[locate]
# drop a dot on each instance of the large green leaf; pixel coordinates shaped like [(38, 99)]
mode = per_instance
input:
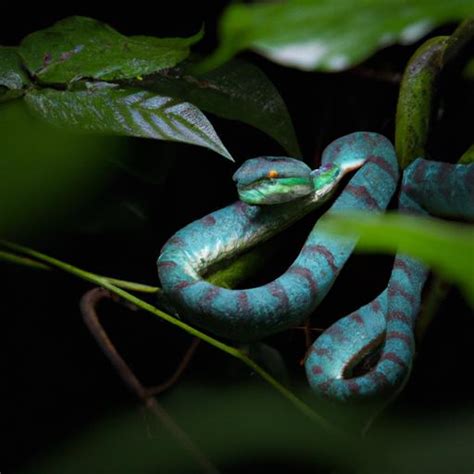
[(129, 112), (237, 90), (79, 47), (446, 247), (12, 76), (329, 35)]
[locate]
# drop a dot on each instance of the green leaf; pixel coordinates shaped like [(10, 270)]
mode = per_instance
[(46, 173), (446, 247), (13, 79), (80, 47), (130, 112), (237, 91), (468, 156), (329, 35)]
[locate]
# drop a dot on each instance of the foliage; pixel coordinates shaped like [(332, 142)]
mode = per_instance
[(448, 248), (41, 182), (81, 75), (12, 77), (327, 35), (131, 112), (88, 60), (237, 90), (82, 48)]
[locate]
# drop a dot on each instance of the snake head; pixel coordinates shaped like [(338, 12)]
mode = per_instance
[(272, 180), (326, 176)]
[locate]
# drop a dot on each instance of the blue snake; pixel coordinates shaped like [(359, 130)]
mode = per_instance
[(275, 192)]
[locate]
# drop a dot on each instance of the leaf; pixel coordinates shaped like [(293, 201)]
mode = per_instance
[(468, 156), (238, 91), (13, 78), (46, 173), (80, 47), (446, 247), (128, 112), (328, 35)]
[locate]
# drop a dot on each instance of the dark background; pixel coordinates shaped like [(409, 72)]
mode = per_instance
[(56, 380)]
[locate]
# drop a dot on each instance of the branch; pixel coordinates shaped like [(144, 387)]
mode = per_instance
[(232, 351)]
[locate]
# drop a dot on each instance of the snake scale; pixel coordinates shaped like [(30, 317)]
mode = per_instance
[(274, 193)]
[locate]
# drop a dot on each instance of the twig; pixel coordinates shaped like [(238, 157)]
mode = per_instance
[(178, 372), (29, 262), (377, 74), (88, 309)]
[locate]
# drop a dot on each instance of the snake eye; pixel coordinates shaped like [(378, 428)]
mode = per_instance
[(272, 174)]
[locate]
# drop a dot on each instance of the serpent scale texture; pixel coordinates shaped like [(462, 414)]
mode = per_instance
[(251, 314)]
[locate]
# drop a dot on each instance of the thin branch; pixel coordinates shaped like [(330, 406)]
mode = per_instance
[(303, 328), (28, 262), (377, 74), (24, 261), (179, 370), (88, 304), (88, 308)]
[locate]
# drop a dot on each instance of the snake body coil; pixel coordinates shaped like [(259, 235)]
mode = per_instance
[(251, 314), (427, 187)]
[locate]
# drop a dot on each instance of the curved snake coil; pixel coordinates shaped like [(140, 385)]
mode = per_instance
[(428, 187), (280, 191)]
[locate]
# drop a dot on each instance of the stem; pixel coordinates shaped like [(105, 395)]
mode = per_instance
[(89, 303), (417, 100), (234, 352), (28, 262), (25, 261), (131, 285), (179, 370)]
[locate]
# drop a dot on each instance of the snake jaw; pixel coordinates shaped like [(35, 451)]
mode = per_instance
[(270, 191)]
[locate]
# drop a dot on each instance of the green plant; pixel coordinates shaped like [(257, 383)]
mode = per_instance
[(83, 75)]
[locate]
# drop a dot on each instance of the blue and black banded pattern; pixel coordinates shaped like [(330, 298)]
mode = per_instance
[(250, 314)]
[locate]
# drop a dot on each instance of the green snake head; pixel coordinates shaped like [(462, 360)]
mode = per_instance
[(273, 180), (326, 178)]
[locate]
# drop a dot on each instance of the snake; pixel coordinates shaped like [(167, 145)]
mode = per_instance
[(275, 192)]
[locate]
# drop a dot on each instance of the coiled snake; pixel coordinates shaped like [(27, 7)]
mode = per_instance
[(275, 192)]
